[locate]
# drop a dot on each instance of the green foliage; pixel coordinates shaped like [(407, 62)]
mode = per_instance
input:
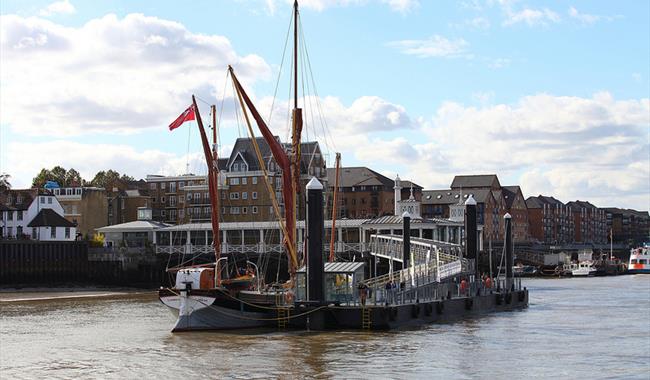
[(4, 182), (97, 240), (72, 178)]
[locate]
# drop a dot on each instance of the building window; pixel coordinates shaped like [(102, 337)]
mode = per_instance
[(34, 233), (181, 214), (79, 191), (162, 185), (234, 181), (244, 195), (234, 210), (20, 215), (254, 180), (19, 231), (244, 181), (278, 183), (172, 200), (234, 195), (254, 195), (235, 167), (49, 200), (67, 232), (152, 186), (162, 200), (189, 196), (254, 210), (172, 187), (122, 201), (42, 200), (57, 191), (223, 195), (53, 232), (163, 213), (181, 184), (244, 210), (206, 211), (197, 196), (223, 211), (206, 195)]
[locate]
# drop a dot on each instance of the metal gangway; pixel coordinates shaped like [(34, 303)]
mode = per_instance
[(432, 264)]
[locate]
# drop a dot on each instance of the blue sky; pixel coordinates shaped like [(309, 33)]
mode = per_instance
[(549, 95)]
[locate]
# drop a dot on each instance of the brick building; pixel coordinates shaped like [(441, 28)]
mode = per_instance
[(550, 220), (243, 192), (124, 199), (85, 207), (589, 222), (515, 204), (364, 193), (438, 204), (628, 226)]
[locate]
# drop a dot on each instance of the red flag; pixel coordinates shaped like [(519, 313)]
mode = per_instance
[(187, 115)]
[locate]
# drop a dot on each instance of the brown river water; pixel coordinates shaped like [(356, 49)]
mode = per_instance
[(595, 328)]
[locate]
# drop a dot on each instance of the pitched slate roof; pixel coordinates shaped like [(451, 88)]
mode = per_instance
[(474, 181), (48, 217), (11, 198), (538, 201), (581, 204), (510, 194), (449, 197), (358, 176)]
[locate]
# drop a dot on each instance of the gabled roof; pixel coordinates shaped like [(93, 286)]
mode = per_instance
[(540, 200), (11, 198), (580, 204), (244, 146), (449, 197), (510, 194), (474, 181), (358, 176), (533, 202), (49, 218), (222, 163)]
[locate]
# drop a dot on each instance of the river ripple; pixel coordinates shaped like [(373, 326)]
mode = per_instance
[(574, 328)]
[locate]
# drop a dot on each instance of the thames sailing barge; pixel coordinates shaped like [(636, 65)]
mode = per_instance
[(433, 284)]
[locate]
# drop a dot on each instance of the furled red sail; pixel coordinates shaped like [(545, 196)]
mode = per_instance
[(282, 160)]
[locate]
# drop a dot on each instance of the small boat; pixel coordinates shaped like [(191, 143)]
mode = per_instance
[(583, 269), (639, 260), (524, 270)]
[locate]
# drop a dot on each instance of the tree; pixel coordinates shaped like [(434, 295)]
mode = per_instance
[(4, 182), (106, 178), (41, 178), (73, 178), (58, 175)]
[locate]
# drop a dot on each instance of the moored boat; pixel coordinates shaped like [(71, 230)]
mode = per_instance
[(639, 260)]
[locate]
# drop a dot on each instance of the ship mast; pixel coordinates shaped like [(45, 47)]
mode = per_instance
[(335, 207), (296, 125), (216, 236)]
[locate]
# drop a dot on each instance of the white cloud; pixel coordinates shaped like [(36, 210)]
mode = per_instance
[(402, 6), (570, 147), (585, 18), (481, 23), (109, 75), (530, 16), (59, 7), (435, 46)]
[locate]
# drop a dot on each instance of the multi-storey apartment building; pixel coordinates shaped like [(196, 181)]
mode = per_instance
[(550, 220), (124, 200), (243, 189), (589, 222), (438, 204), (85, 207), (628, 226), (364, 193), (515, 203)]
